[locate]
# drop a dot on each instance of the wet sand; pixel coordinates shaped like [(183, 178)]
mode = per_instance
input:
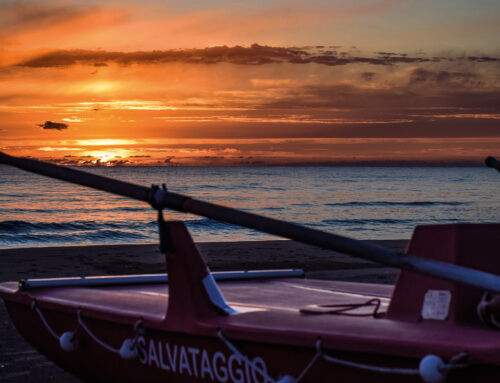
[(19, 362)]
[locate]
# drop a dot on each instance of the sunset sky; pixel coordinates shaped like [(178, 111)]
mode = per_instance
[(241, 83)]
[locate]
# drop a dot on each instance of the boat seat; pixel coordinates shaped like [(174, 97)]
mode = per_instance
[(470, 245)]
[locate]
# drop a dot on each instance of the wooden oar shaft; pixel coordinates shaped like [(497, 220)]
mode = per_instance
[(79, 177), (164, 199), (356, 248)]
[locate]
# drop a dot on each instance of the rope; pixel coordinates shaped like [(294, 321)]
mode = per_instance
[(93, 336), (320, 354), (451, 365), (245, 358), (80, 324), (362, 366), (454, 363), (344, 309), (34, 306), (308, 367)]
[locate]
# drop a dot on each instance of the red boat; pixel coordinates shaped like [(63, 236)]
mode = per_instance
[(439, 323)]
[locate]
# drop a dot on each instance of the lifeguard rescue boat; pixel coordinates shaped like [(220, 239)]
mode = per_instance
[(439, 323)]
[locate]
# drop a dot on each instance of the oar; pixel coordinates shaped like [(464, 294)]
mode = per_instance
[(492, 162), (160, 199)]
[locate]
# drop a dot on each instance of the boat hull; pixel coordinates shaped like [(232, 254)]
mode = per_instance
[(194, 330), (284, 330), (176, 357)]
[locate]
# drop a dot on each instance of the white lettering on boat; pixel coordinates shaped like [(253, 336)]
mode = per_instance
[(200, 363)]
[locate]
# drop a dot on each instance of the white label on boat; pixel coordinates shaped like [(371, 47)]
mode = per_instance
[(436, 304)]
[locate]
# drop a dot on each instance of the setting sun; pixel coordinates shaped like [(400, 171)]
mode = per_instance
[(106, 157)]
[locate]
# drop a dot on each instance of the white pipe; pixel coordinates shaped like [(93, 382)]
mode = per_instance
[(29, 284)]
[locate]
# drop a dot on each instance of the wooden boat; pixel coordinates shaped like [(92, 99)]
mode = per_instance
[(438, 323)]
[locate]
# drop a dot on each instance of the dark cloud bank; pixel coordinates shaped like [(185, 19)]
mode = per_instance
[(253, 55)]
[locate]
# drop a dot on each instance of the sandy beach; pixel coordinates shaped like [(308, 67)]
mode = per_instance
[(19, 362)]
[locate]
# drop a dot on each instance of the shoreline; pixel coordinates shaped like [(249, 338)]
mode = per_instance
[(19, 362)]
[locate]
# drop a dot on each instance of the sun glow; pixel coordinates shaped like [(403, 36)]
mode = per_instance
[(99, 87), (121, 105), (107, 157)]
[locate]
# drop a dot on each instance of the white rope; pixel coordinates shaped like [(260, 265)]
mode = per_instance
[(128, 349), (264, 373), (44, 321), (91, 334), (362, 366), (81, 324), (308, 367), (319, 353), (442, 369), (245, 358)]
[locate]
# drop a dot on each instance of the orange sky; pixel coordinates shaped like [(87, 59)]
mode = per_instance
[(229, 84)]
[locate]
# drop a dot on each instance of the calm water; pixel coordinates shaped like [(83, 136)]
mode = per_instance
[(364, 203)]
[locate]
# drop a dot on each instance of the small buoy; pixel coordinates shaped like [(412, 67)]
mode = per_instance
[(67, 341), (286, 379), (430, 369), (128, 349)]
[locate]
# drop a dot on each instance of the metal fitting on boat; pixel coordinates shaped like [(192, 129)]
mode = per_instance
[(488, 310)]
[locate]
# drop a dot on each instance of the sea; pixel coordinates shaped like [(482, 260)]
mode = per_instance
[(359, 202)]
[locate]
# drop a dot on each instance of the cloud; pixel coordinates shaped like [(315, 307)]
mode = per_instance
[(104, 23), (37, 25), (17, 15), (483, 59), (368, 76), (169, 159), (253, 55), (420, 75), (23, 17), (49, 125), (400, 100)]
